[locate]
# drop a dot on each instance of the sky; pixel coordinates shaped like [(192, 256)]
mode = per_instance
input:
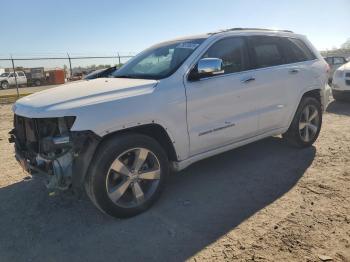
[(107, 27)]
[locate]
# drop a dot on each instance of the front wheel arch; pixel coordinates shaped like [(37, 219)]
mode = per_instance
[(154, 131)]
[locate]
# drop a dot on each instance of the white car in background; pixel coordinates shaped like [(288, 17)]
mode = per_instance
[(9, 79), (334, 63), (341, 83)]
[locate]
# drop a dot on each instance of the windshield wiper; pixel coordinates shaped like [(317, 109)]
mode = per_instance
[(126, 76)]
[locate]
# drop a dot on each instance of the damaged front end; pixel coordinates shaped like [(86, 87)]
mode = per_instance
[(48, 147)]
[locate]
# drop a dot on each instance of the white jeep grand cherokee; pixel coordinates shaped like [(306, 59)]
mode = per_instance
[(172, 105)]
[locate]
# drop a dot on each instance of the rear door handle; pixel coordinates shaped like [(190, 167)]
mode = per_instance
[(294, 70), (248, 79)]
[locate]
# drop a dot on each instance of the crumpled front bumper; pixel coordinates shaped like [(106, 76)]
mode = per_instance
[(64, 171)]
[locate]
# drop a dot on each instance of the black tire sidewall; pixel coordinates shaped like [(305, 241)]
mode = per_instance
[(104, 157), (294, 133)]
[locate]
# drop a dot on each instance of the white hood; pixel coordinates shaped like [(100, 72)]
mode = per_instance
[(60, 100)]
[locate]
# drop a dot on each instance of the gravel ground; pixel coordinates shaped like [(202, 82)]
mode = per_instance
[(263, 202)]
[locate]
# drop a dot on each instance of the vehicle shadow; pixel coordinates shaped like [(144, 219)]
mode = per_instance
[(199, 205), (339, 108)]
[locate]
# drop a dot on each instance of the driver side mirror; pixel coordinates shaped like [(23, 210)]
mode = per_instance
[(206, 67)]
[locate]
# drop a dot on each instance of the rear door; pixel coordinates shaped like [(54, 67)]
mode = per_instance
[(304, 70), (272, 80), (283, 70)]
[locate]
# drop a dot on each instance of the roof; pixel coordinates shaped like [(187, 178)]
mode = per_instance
[(236, 29), (249, 29)]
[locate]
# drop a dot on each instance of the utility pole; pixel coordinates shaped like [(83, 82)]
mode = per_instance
[(14, 72), (70, 66)]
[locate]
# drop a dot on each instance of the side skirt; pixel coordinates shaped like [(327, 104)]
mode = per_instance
[(180, 165)]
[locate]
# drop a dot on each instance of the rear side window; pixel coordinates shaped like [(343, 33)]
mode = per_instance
[(266, 51), (233, 53), (20, 74), (296, 50)]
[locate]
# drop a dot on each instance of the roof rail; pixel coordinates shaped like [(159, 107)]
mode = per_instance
[(247, 28)]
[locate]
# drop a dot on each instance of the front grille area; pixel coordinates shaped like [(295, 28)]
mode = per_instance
[(25, 131), (347, 75)]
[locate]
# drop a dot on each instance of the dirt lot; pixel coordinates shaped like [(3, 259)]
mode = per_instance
[(24, 90), (262, 202)]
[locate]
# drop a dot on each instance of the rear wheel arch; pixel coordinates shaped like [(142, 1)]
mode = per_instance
[(315, 93)]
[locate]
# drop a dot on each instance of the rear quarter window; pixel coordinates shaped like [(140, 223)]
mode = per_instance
[(296, 50)]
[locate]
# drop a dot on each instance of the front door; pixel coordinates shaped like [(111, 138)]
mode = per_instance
[(221, 109)]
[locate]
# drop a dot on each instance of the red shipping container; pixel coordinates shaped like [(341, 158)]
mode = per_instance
[(57, 77)]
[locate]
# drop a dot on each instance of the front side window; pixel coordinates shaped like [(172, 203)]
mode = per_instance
[(233, 53), (266, 51), (12, 75), (4, 74), (159, 61), (20, 74)]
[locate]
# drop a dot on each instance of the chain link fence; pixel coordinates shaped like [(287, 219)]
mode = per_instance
[(24, 75)]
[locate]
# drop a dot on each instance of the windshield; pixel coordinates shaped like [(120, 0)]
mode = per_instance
[(4, 74), (159, 61)]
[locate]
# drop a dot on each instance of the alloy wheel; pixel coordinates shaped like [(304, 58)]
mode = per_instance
[(133, 177), (309, 123)]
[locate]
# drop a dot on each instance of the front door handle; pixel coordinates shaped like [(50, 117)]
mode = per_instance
[(294, 70), (248, 79)]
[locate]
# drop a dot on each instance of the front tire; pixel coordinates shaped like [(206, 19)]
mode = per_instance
[(127, 175), (306, 124), (5, 85)]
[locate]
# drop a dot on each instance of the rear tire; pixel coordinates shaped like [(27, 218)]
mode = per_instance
[(306, 124), (37, 82), (127, 175)]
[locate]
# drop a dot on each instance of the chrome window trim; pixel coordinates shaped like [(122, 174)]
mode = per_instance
[(244, 71)]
